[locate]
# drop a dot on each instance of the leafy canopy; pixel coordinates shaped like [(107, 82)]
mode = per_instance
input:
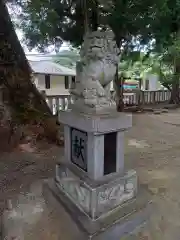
[(47, 22)]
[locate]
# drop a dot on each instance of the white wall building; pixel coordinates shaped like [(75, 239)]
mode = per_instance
[(52, 78), (151, 82)]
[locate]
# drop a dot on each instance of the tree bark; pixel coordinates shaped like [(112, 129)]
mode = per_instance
[(15, 72), (119, 81), (175, 93), (94, 19), (84, 8), (175, 98), (23, 98)]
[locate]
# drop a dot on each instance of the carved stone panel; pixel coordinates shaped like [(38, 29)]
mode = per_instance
[(79, 148), (79, 194), (73, 187), (109, 197), (93, 200)]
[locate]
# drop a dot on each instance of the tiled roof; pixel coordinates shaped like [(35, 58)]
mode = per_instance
[(48, 67)]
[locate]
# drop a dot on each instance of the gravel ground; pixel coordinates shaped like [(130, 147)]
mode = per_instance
[(152, 147)]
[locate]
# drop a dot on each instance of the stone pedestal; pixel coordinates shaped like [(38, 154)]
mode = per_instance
[(99, 140), (92, 174), (91, 180), (95, 198), (124, 222)]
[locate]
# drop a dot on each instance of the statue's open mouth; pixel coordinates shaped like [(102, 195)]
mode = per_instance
[(95, 46)]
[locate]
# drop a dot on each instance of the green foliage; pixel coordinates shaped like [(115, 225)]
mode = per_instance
[(67, 58), (49, 22), (165, 24), (137, 24), (134, 22), (136, 64), (169, 64), (130, 19), (166, 31)]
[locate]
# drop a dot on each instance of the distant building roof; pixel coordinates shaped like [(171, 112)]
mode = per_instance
[(40, 57), (49, 67)]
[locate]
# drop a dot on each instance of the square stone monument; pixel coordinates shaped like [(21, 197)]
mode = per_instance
[(100, 196), (92, 175)]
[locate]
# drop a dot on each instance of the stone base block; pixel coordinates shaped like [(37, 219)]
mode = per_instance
[(122, 223), (95, 198), (97, 124)]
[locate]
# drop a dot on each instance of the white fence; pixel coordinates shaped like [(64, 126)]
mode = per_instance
[(146, 97), (58, 102), (61, 102)]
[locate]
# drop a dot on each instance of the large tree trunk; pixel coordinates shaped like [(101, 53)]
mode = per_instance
[(119, 81), (175, 98), (94, 18), (24, 99), (175, 93), (84, 8)]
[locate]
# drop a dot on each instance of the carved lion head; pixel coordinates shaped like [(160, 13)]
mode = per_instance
[(100, 45)]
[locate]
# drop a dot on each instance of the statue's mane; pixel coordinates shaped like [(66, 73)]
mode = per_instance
[(99, 45)]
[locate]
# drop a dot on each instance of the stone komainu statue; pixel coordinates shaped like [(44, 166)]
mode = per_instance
[(96, 69)]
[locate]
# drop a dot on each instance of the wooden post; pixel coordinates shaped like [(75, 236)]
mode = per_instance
[(143, 98), (56, 104), (50, 103), (154, 97)]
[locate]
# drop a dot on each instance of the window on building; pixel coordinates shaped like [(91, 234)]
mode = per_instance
[(73, 82), (66, 82), (47, 81), (73, 79), (147, 84)]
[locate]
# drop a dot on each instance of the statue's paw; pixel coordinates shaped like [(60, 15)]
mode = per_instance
[(91, 102), (101, 92), (75, 92)]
